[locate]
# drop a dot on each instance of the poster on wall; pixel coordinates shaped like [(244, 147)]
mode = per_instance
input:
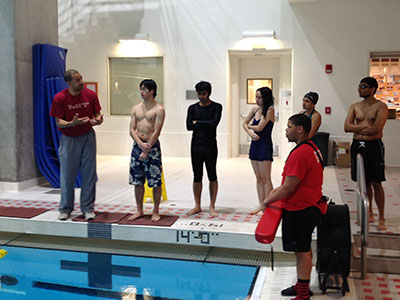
[(255, 83), (91, 86)]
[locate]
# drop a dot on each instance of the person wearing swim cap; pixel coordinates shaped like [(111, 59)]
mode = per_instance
[(309, 102), (366, 119)]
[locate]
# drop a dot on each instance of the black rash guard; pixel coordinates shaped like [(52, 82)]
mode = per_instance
[(204, 143), (207, 117)]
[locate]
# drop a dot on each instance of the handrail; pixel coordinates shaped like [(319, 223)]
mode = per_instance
[(363, 212)]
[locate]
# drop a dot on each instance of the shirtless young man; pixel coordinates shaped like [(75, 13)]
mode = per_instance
[(147, 119), (366, 120)]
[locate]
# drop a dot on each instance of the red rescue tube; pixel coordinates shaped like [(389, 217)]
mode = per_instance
[(269, 223)]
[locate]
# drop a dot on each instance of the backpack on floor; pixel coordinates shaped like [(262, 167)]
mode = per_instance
[(334, 248)]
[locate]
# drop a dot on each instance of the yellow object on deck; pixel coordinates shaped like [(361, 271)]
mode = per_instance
[(3, 253), (148, 191)]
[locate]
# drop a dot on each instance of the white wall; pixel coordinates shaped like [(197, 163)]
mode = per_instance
[(194, 37), (342, 33)]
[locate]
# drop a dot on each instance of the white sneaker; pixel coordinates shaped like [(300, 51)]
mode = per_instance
[(90, 215), (63, 216)]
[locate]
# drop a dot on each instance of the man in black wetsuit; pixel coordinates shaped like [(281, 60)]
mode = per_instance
[(203, 118)]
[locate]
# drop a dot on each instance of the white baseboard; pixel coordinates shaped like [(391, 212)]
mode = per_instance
[(7, 186)]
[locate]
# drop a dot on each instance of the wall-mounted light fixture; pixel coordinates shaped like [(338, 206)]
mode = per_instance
[(138, 45), (259, 34), (138, 37), (258, 39)]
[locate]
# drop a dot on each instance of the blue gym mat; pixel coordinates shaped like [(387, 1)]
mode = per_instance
[(48, 72)]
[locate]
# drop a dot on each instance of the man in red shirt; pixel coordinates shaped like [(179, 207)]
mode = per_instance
[(301, 190), (76, 111)]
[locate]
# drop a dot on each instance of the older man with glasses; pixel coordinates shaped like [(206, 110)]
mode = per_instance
[(366, 120)]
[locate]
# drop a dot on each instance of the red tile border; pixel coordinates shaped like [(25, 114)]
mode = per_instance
[(366, 283), (380, 278)]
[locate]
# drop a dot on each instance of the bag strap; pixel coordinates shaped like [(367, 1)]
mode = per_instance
[(316, 150), (311, 145)]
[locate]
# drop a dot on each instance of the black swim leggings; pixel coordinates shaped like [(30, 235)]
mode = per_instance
[(204, 154)]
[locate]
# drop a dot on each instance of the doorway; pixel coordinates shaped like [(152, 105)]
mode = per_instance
[(274, 66)]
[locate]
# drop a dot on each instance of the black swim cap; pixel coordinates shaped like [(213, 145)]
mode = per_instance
[(313, 96)]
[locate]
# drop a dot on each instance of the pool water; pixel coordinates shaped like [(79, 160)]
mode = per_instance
[(29, 273)]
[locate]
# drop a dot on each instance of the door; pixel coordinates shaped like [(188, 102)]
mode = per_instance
[(263, 67)]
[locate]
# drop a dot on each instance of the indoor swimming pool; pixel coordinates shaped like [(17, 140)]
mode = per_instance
[(30, 273)]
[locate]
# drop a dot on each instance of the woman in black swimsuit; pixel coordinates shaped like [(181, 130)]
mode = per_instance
[(261, 149)]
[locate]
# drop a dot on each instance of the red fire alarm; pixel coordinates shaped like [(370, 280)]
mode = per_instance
[(328, 69), (327, 110)]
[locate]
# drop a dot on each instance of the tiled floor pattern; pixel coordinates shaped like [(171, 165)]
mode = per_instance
[(180, 212), (379, 286)]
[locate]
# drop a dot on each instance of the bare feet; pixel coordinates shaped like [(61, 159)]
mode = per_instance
[(213, 213), (256, 211), (381, 225), (371, 218), (155, 217), (137, 215), (193, 211)]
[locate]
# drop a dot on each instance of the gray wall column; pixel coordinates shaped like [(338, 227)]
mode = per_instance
[(23, 23)]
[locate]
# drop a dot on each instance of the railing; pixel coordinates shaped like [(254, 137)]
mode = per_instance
[(363, 212)]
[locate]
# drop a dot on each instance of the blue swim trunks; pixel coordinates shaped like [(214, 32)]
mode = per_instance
[(150, 168)]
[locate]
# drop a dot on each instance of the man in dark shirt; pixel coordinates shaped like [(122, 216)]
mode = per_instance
[(203, 118)]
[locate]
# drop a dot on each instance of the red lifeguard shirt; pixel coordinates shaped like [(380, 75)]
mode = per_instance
[(304, 163), (65, 106)]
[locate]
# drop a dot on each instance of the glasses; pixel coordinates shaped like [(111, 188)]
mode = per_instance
[(363, 86)]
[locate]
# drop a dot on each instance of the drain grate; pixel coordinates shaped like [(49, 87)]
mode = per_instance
[(239, 256), (146, 249)]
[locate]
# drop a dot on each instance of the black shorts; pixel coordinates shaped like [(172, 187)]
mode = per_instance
[(204, 155), (297, 228), (373, 153)]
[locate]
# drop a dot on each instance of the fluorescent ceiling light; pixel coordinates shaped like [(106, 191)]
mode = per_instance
[(259, 34)]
